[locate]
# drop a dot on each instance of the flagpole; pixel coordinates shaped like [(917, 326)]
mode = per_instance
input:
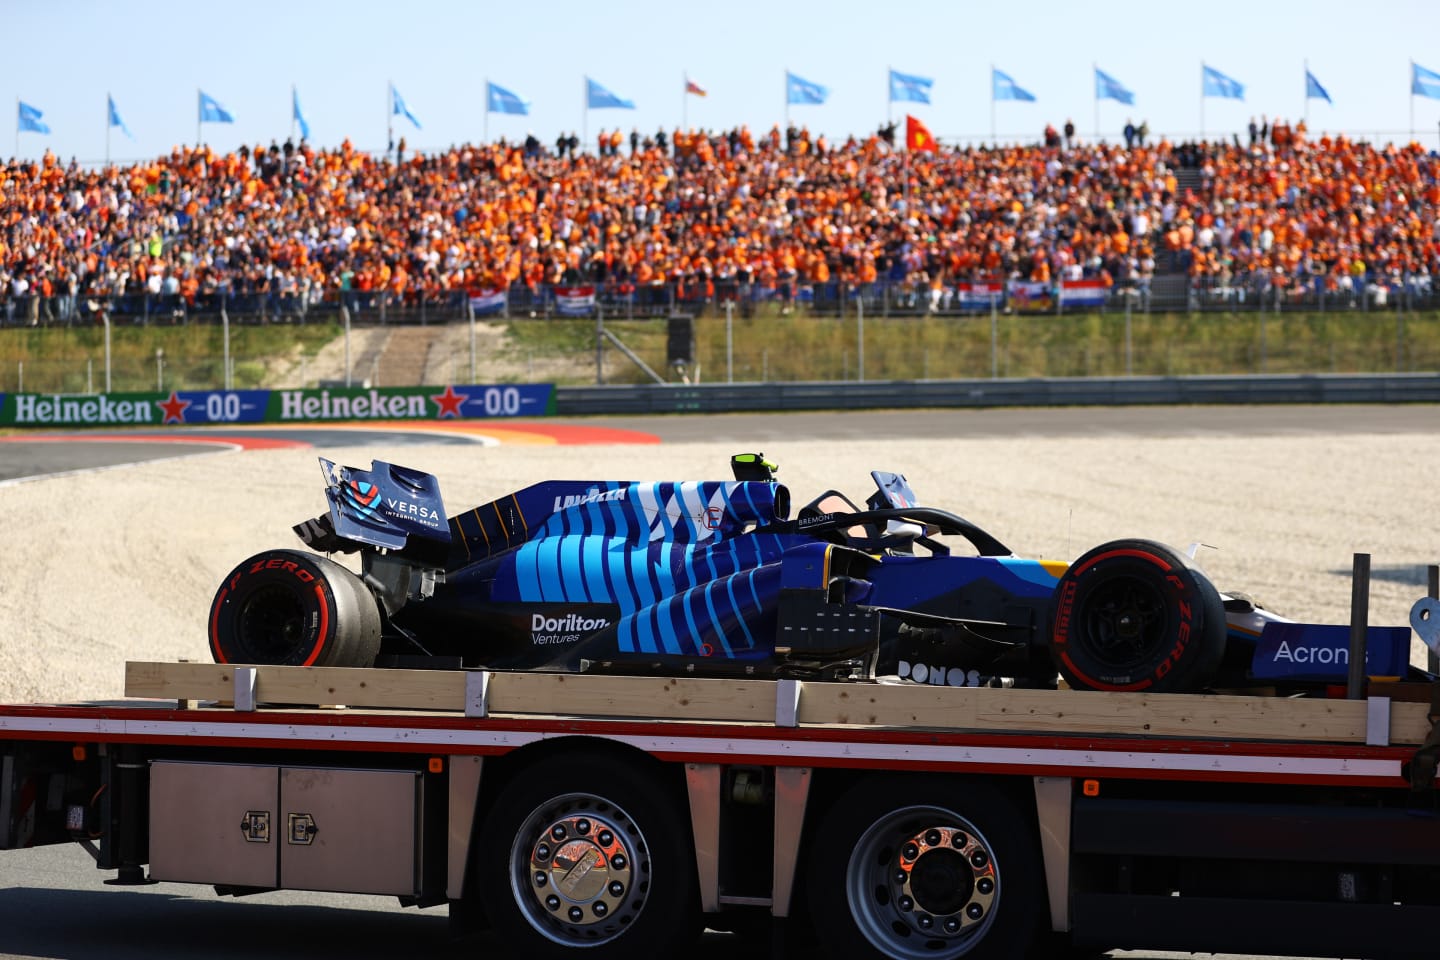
[(1305, 112), (1095, 82), (992, 104), (197, 117), (585, 115), (485, 123), (1412, 101), (17, 122), (1202, 101), (389, 117), (685, 100), (294, 98), (107, 128), (787, 103), (889, 96)]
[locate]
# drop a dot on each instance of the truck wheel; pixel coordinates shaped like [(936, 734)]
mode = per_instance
[(913, 868), (293, 608), (585, 854), (1133, 615)]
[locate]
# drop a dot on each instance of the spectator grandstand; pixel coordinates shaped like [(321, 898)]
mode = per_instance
[(697, 217)]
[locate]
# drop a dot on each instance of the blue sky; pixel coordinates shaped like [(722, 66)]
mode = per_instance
[(62, 56)]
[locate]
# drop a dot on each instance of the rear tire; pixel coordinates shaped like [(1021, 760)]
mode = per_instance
[(925, 868), (1133, 615), (291, 608)]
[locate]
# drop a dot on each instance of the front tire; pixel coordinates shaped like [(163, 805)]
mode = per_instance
[(584, 854), (921, 868), (296, 609), (1133, 615)]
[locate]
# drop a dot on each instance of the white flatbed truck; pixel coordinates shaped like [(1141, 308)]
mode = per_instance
[(612, 816)]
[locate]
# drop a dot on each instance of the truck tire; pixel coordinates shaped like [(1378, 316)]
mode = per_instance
[(1133, 615), (293, 608), (588, 855), (925, 867)]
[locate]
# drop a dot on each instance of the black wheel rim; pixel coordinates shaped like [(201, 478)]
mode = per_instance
[(1124, 622), (270, 626)]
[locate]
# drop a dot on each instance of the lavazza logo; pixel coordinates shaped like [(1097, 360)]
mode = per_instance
[(567, 629)]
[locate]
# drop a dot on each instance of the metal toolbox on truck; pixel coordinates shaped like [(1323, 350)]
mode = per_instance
[(298, 828)]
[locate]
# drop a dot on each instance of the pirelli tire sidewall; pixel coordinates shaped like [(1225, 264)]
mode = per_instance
[(291, 608), (1182, 637)]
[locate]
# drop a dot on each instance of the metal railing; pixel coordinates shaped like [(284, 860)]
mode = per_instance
[(1257, 291)]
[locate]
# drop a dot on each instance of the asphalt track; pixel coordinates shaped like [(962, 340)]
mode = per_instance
[(29, 455)]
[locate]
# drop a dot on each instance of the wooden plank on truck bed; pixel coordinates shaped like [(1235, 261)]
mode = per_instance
[(911, 706), (1118, 714), (308, 686)]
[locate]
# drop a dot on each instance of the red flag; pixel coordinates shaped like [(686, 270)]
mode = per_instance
[(917, 135), (692, 87)]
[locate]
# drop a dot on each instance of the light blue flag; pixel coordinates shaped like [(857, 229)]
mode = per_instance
[(212, 112), (27, 120), (905, 86), (599, 98), (1216, 84), (299, 114), (1108, 88), (500, 100), (1424, 83), (1003, 88), (398, 108), (799, 90), (115, 120), (1313, 90)]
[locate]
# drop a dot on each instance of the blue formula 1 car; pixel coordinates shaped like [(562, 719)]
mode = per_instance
[(717, 578)]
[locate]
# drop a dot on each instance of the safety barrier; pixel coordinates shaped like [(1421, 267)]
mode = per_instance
[(737, 397)]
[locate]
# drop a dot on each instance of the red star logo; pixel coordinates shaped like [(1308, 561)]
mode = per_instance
[(449, 403), (174, 408)]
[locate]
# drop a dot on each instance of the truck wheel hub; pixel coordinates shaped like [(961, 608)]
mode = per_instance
[(942, 881), (581, 869)]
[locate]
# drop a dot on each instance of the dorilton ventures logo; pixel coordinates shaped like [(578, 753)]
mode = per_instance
[(371, 405), (31, 408)]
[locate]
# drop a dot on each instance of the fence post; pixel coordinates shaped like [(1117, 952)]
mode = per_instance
[(345, 316), (20, 377), (1129, 370), (994, 339), (470, 309), (599, 344), (729, 342), (1263, 344), (860, 341), (105, 318), (1399, 340), (89, 374), (225, 333)]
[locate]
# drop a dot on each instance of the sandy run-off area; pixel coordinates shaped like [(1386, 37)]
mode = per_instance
[(122, 564)]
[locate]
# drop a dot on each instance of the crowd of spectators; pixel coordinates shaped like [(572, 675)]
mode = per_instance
[(703, 210)]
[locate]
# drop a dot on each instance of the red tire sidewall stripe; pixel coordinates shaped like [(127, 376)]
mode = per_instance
[(1138, 554), (320, 635), (215, 626)]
